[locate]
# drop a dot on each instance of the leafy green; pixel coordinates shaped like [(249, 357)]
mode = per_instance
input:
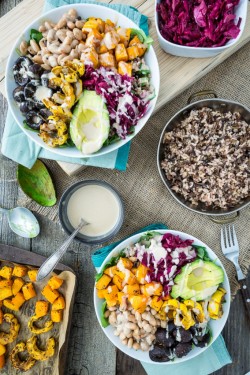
[(36, 35), (113, 261), (18, 52), (145, 239), (69, 143), (26, 126), (104, 321), (201, 252), (112, 139), (142, 36)]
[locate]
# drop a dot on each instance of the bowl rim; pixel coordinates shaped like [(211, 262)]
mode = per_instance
[(92, 240), (133, 239), (66, 152), (161, 173), (203, 49)]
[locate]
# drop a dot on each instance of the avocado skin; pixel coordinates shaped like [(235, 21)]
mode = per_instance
[(197, 280)]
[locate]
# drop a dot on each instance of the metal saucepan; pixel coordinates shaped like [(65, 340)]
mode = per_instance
[(222, 105)]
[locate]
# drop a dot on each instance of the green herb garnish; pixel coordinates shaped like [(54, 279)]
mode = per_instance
[(142, 36), (201, 252), (26, 126), (104, 321), (36, 35)]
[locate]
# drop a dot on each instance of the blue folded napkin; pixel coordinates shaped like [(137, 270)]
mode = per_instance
[(18, 147), (215, 357)]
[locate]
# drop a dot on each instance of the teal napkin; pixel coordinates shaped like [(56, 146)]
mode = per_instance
[(215, 357), (18, 147)]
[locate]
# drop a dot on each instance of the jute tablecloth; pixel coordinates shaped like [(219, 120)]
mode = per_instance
[(146, 198)]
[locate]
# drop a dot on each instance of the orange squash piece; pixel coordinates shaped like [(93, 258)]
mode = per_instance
[(32, 275), (110, 271), (56, 316), (2, 361), (2, 349), (49, 294), (100, 293), (6, 283), (5, 293), (103, 282), (124, 263), (1, 315), (121, 53), (19, 271), (6, 272), (156, 303), (42, 308), (139, 303), (151, 289), (132, 289), (17, 285), (134, 40), (55, 282), (59, 303), (107, 60), (28, 291), (141, 274), (118, 282), (125, 68)]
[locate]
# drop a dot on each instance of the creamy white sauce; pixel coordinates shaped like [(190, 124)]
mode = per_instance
[(42, 92), (95, 204)]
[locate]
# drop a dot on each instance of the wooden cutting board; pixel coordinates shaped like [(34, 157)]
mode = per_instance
[(177, 73)]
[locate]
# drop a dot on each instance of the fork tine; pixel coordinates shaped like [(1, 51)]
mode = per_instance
[(222, 242), (226, 237), (234, 237), (230, 235)]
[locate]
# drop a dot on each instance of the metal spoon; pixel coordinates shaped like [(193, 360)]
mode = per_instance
[(50, 263), (22, 221)]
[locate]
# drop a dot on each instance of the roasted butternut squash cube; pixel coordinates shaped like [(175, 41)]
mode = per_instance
[(151, 289), (42, 308), (139, 303), (7, 303), (17, 285), (1, 316), (125, 68), (134, 40), (55, 282), (49, 294), (133, 52), (121, 297), (6, 272), (124, 263), (100, 293), (109, 22), (112, 302), (156, 303), (124, 35), (141, 273), (18, 300), (103, 282), (93, 23), (102, 47), (19, 271), (107, 60), (32, 275), (2, 349), (111, 293), (28, 291), (93, 39), (110, 271), (121, 53), (118, 282), (59, 303), (56, 316), (6, 283), (5, 293), (120, 274), (90, 57), (111, 39), (2, 361), (132, 289)]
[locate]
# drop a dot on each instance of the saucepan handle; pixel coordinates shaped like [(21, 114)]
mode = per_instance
[(225, 220), (201, 93)]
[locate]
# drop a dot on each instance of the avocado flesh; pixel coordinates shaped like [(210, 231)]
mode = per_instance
[(89, 127), (197, 280)]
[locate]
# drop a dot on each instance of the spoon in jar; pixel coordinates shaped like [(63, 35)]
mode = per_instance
[(50, 263), (22, 221)]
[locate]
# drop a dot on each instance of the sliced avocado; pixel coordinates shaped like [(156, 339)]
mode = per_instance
[(89, 127), (197, 280)]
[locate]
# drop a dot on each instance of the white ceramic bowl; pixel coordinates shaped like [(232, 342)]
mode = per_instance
[(201, 52), (215, 325), (85, 11)]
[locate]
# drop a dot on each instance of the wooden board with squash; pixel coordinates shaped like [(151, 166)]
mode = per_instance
[(34, 316)]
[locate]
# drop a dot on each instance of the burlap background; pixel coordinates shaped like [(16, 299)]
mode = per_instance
[(146, 198)]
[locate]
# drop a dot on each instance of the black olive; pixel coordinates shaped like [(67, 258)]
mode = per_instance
[(45, 113), (27, 106), (171, 326), (35, 71), (182, 349), (159, 354), (182, 335), (20, 70), (18, 94), (201, 341), (163, 338), (34, 120), (30, 89)]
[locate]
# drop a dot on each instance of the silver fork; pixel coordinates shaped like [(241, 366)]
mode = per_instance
[(230, 248)]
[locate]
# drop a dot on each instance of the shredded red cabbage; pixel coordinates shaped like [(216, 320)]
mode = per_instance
[(198, 23), (178, 253), (124, 107)]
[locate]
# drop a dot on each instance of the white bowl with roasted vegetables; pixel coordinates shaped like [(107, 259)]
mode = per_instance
[(162, 297), (82, 80)]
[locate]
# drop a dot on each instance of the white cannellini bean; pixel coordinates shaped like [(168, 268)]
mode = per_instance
[(116, 332), (163, 323), (64, 49), (42, 28), (126, 331), (125, 341), (137, 316), (144, 346), (107, 312), (130, 325), (53, 61), (132, 318), (147, 328), (59, 59), (79, 24), (130, 343), (34, 45), (23, 47), (51, 35), (153, 312), (74, 53), (46, 66), (48, 25), (74, 43), (38, 59), (71, 25), (70, 34), (61, 23), (149, 339), (122, 336), (72, 14), (152, 321), (61, 34), (136, 346), (54, 47), (67, 41), (77, 33)]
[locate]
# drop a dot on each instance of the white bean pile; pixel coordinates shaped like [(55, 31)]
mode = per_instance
[(61, 42), (135, 330)]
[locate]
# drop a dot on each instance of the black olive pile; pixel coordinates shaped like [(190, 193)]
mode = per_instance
[(31, 78), (177, 342)]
